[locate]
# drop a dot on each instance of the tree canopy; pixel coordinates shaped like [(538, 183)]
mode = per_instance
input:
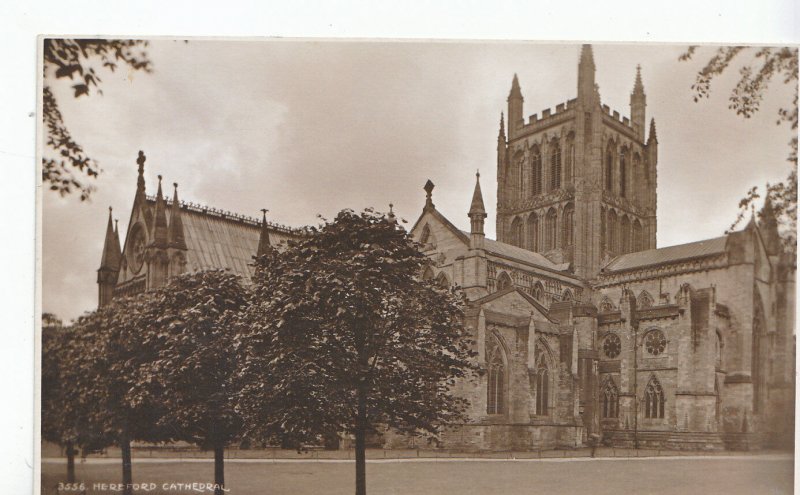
[(65, 164), (343, 335), (756, 74)]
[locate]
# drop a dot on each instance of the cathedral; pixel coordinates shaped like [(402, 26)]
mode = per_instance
[(582, 325)]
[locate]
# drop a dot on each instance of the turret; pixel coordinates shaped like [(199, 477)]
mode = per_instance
[(477, 215), (515, 100), (109, 264), (264, 245), (652, 147), (638, 105), (586, 70), (160, 234), (156, 255)]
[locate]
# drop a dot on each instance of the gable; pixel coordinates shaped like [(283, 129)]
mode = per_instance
[(439, 233), (512, 305)]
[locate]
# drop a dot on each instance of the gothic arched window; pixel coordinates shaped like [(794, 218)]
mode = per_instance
[(603, 231), (442, 281), (609, 400), (654, 399), (639, 175), (625, 235), (623, 173), (538, 292), (555, 165), (536, 171), (612, 232), (516, 232), (718, 350), (533, 232), (550, 230), (427, 274), (495, 390), (504, 281), (637, 237), (542, 384), (568, 225), (609, 175), (520, 178), (567, 296), (645, 300)]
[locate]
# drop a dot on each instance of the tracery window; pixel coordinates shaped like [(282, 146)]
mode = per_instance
[(645, 300), (442, 281), (504, 281), (655, 342), (536, 166), (533, 232), (610, 400), (495, 390), (606, 305), (538, 292), (569, 165), (612, 345), (542, 385), (555, 165), (551, 230), (603, 230), (654, 400), (568, 222)]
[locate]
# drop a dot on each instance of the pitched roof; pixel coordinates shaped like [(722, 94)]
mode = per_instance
[(216, 239), (517, 253), (671, 254)]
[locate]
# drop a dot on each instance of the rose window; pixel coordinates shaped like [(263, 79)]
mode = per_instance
[(655, 342), (612, 346)]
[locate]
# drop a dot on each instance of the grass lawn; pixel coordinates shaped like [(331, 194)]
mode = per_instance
[(746, 475)]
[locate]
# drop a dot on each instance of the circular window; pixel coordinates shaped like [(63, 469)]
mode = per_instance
[(137, 246), (655, 342), (612, 346)]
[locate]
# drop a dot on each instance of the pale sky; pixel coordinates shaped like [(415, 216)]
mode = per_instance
[(304, 127)]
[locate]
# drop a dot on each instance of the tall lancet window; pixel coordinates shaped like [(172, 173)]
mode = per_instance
[(533, 232), (555, 165), (495, 390), (623, 173), (542, 384), (568, 222), (569, 159), (551, 230), (536, 171), (609, 174)]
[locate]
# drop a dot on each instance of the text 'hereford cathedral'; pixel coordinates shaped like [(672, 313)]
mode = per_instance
[(582, 325)]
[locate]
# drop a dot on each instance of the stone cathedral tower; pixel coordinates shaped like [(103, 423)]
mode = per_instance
[(578, 184)]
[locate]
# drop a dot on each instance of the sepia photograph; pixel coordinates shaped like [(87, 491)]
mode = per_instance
[(304, 266)]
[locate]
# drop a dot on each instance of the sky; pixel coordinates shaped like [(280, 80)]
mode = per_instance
[(311, 127)]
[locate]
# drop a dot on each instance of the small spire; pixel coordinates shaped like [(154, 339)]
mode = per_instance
[(515, 92), (176, 237), (160, 227), (391, 213), (140, 185), (652, 135), (429, 194), (264, 245), (638, 87), (112, 254), (476, 207)]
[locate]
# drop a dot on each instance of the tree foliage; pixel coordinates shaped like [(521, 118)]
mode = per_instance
[(342, 335), (190, 329), (756, 74), (65, 165)]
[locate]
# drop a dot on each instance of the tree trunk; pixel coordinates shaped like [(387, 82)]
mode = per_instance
[(127, 472), (219, 469), (70, 463), (361, 433)]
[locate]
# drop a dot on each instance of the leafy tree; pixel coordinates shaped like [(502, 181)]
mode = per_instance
[(102, 354), (66, 162), (342, 335), (56, 426), (190, 328), (765, 64)]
